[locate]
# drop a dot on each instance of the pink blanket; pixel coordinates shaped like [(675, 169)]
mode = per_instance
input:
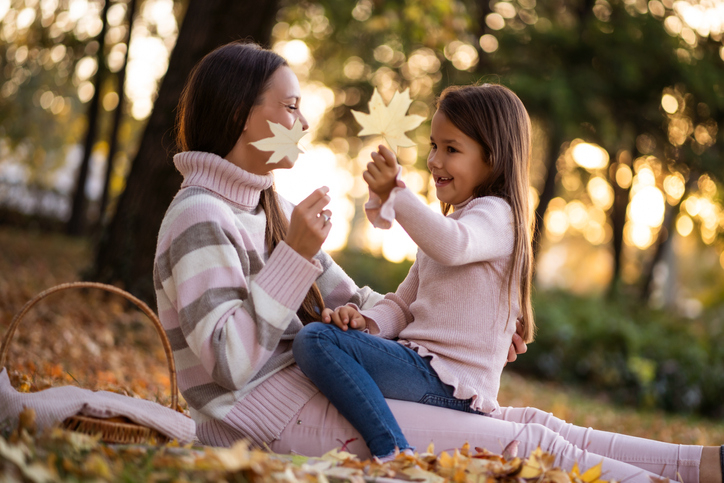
[(58, 403)]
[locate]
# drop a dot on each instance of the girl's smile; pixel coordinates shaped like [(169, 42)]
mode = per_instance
[(456, 161)]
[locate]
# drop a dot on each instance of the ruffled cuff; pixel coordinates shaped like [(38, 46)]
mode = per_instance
[(381, 215)]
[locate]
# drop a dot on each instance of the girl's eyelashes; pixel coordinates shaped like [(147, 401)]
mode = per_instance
[(433, 145), (292, 107)]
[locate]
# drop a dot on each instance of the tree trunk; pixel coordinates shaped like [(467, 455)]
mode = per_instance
[(77, 222), (618, 221), (126, 250), (549, 187), (664, 239), (117, 118)]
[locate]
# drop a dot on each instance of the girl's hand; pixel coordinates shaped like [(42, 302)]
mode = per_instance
[(517, 345), (381, 173), (309, 224), (344, 317)]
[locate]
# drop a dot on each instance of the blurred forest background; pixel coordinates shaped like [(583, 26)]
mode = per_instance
[(626, 97)]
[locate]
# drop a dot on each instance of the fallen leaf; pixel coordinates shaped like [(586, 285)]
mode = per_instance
[(592, 474), (418, 474), (336, 455), (391, 121), (284, 142), (235, 458)]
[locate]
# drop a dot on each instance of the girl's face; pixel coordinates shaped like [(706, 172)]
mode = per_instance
[(279, 104), (456, 161)]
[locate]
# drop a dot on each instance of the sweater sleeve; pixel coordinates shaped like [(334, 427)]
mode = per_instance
[(339, 289), (336, 287), (232, 309), (392, 314), (483, 231)]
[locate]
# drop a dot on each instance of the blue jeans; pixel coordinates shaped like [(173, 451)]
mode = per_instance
[(357, 371)]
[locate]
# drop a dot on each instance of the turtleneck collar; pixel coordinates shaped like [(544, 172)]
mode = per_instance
[(214, 173), (462, 205)]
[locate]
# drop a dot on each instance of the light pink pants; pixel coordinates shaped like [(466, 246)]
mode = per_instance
[(319, 428)]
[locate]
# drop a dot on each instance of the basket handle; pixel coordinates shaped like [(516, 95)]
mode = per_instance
[(110, 288)]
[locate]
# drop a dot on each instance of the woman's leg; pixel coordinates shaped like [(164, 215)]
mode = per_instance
[(664, 459), (356, 371), (319, 428)]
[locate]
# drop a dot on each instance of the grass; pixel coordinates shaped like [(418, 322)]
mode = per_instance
[(96, 341)]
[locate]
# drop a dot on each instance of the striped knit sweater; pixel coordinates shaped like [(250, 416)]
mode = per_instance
[(229, 308), (453, 305)]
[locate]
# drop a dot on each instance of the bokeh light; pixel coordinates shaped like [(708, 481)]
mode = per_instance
[(601, 192), (488, 43), (624, 176), (684, 225), (589, 156), (647, 207), (669, 103), (315, 168)]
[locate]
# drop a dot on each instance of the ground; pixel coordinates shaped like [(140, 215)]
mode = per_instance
[(97, 341)]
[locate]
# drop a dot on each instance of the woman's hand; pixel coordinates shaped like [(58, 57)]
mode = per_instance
[(517, 346), (309, 224), (381, 173), (343, 317)]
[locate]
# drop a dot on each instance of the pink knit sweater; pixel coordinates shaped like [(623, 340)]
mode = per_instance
[(453, 305), (229, 308)]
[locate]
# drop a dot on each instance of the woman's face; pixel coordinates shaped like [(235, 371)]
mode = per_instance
[(279, 104)]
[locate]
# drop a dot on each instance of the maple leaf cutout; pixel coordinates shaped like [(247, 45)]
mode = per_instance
[(284, 142), (389, 121)]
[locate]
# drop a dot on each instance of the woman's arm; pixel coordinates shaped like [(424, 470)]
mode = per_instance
[(203, 270)]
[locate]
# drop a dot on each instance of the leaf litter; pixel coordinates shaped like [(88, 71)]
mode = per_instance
[(60, 455)]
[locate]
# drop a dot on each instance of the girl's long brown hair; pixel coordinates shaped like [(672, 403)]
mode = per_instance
[(212, 112), (495, 117)]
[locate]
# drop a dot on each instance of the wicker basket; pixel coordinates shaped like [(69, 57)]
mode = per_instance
[(113, 430)]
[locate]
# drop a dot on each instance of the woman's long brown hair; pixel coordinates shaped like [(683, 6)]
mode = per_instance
[(496, 119), (212, 112)]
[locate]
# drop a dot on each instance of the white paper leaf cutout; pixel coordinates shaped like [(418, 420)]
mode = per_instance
[(389, 121), (284, 143)]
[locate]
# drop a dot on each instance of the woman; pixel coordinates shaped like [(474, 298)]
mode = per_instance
[(239, 270)]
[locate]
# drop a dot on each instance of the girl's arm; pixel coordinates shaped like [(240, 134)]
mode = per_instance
[(229, 307), (392, 314), (482, 232)]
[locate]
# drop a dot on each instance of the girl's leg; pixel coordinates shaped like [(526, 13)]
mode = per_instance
[(663, 459), (356, 371), (319, 428)]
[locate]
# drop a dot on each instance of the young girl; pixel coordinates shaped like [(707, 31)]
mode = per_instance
[(455, 313)]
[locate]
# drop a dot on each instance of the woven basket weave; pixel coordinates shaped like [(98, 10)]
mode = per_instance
[(112, 430)]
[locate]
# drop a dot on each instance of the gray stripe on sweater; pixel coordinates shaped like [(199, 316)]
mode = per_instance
[(325, 260), (176, 339), (267, 335), (222, 371), (193, 313), (194, 237), (157, 285), (273, 364), (200, 396), (251, 263)]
